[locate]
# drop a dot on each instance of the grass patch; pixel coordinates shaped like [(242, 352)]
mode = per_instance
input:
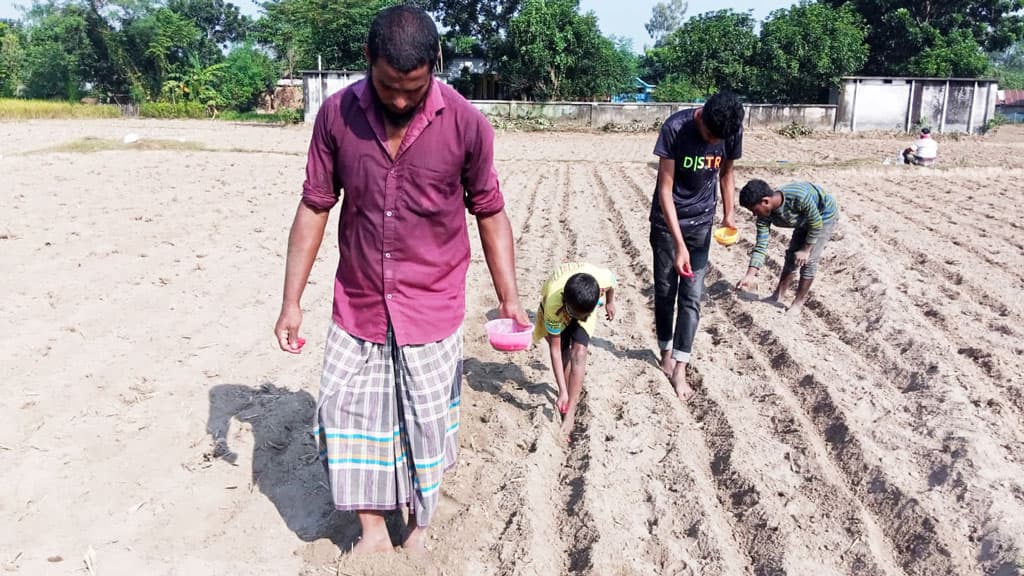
[(171, 110), (92, 145), (19, 109), (280, 117)]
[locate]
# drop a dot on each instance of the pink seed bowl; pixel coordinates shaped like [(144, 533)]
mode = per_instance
[(508, 336)]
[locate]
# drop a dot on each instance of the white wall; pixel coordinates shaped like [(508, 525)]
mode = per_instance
[(947, 105)]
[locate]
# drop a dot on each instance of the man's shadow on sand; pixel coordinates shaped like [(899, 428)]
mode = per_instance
[(285, 463)]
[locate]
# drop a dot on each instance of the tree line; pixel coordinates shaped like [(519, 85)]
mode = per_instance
[(207, 54)]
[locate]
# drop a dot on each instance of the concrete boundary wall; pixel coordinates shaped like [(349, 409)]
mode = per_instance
[(318, 85), (603, 114), (896, 103)]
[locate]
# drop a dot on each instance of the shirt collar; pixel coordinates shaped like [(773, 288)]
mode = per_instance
[(432, 104)]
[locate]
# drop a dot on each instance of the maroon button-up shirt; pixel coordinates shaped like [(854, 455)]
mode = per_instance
[(402, 233)]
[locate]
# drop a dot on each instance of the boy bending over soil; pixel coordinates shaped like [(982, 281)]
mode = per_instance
[(566, 319), (806, 207)]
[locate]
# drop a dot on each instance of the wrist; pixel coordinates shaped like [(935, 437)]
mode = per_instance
[(509, 302)]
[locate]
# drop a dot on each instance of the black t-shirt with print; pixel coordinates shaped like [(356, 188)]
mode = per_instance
[(697, 166)]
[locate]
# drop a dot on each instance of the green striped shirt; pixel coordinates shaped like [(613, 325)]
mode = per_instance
[(804, 205)]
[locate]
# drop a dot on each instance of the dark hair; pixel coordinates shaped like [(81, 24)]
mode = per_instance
[(581, 292), (926, 130), (405, 36), (755, 191), (723, 115)]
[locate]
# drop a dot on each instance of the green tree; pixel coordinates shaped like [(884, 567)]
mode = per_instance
[(11, 55), (247, 75), (553, 52), (172, 41), (300, 30), (620, 66), (57, 51), (486, 20), (1008, 67), (219, 24), (956, 54), (806, 49), (674, 89), (198, 83), (907, 36), (714, 51), (665, 19), (610, 69)]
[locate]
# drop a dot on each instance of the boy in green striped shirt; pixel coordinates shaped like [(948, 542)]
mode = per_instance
[(812, 213)]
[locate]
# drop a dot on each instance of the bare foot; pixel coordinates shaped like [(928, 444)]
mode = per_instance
[(372, 545), (415, 545), (568, 423), (682, 388), (795, 309), (668, 365)]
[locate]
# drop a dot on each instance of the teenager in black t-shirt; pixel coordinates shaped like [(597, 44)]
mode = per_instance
[(696, 149)]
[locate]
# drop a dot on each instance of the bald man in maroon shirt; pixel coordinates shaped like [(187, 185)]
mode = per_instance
[(412, 156)]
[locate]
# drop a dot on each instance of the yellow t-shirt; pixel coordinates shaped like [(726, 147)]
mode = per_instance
[(551, 318)]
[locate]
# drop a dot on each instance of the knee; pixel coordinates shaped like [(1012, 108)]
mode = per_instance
[(663, 288), (691, 290)]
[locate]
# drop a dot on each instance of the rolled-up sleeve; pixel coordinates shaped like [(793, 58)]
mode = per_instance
[(479, 178), (322, 186)]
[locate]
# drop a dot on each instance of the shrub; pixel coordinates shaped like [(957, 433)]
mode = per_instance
[(173, 110), (286, 116), (794, 130)]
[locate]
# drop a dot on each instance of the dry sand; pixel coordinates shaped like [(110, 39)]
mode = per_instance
[(150, 419)]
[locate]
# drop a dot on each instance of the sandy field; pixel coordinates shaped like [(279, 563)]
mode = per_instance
[(149, 424)]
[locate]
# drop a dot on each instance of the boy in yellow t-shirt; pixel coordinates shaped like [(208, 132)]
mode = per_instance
[(566, 319)]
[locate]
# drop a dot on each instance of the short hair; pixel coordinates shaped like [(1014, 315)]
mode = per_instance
[(755, 191), (723, 115), (926, 130), (405, 36), (581, 292)]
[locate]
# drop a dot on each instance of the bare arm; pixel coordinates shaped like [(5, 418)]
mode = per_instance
[(555, 347), (609, 304), (303, 244), (727, 184), (666, 180), (499, 250)]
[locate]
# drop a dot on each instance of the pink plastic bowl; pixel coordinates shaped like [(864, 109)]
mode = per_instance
[(508, 336)]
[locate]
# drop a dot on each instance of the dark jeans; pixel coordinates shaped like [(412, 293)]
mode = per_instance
[(677, 331)]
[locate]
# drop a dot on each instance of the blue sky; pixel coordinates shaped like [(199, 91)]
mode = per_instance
[(618, 17)]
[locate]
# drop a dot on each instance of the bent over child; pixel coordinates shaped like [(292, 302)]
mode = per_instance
[(811, 212), (566, 319)]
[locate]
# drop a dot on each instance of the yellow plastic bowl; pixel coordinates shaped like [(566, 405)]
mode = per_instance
[(726, 235)]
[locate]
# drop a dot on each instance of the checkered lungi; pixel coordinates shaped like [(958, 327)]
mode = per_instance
[(389, 420)]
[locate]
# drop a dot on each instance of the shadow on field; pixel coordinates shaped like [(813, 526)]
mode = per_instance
[(285, 463)]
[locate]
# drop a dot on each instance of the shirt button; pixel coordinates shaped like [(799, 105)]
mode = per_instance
[(390, 296), (388, 213), (387, 254)]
